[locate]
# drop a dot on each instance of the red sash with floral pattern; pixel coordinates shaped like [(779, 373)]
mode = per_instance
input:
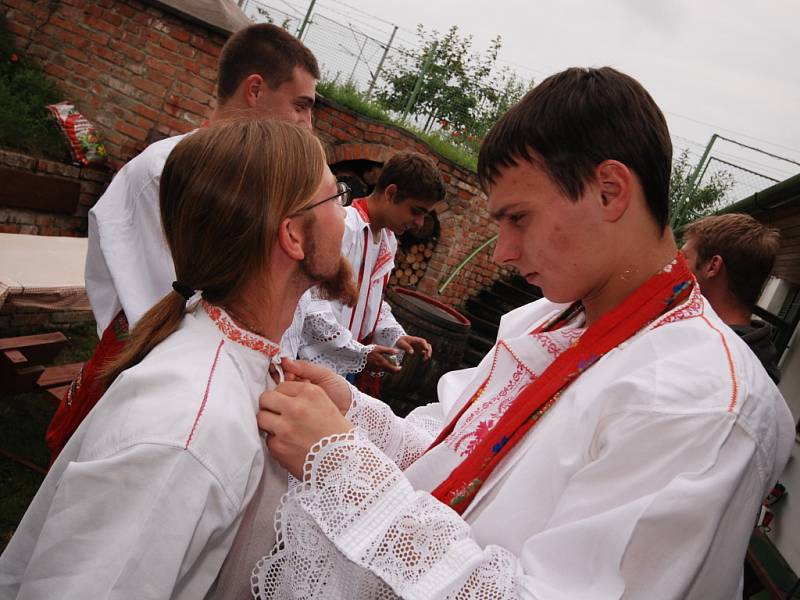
[(657, 295)]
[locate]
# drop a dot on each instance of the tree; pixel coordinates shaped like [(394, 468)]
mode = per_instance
[(462, 93), (690, 201)]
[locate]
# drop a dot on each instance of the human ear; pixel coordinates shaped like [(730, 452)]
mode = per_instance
[(390, 193), (713, 266), (252, 87), (290, 239), (614, 183)]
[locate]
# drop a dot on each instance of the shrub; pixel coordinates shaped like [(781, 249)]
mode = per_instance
[(25, 124)]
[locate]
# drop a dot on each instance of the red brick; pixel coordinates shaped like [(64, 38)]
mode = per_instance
[(168, 43), (206, 45), (128, 50), (78, 55), (20, 30), (160, 66), (136, 133), (125, 10), (149, 87), (105, 53), (104, 26), (56, 71), (137, 41), (65, 24), (143, 18), (187, 51), (99, 38), (145, 111), (162, 54), (113, 18), (180, 35)]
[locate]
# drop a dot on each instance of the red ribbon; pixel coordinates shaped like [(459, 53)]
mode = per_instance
[(657, 295)]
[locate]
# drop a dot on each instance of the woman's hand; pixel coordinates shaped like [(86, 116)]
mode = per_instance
[(296, 415)]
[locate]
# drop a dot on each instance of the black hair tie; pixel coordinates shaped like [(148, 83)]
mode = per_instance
[(183, 289)]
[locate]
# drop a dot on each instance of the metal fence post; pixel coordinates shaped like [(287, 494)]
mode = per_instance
[(425, 68), (306, 20), (678, 211), (380, 63)]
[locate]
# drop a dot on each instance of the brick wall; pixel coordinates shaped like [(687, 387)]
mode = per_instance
[(24, 320), (18, 220), (463, 217), (141, 74), (136, 71)]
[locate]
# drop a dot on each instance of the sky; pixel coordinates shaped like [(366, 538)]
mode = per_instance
[(731, 68)]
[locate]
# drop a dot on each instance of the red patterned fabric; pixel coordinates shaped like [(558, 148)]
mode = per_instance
[(657, 295), (87, 388)]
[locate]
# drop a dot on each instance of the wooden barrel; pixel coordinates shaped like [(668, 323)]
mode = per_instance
[(446, 330)]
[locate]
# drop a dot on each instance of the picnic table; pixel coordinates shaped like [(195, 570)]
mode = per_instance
[(43, 271)]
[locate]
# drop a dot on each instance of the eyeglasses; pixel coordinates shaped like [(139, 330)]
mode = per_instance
[(344, 197)]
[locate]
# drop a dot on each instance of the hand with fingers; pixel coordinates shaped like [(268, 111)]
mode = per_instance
[(296, 415), (378, 360), (335, 386), (410, 343)]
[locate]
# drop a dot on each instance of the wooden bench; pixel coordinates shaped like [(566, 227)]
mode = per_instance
[(22, 360), (55, 381)]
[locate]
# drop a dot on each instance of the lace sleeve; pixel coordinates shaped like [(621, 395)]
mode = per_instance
[(401, 439), (327, 342), (388, 330), (355, 505)]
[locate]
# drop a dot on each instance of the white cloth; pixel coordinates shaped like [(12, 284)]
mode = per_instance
[(293, 336), (146, 498), (128, 263), (334, 334), (642, 481), (43, 271)]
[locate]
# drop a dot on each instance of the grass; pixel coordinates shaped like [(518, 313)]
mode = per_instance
[(348, 96), (23, 421)]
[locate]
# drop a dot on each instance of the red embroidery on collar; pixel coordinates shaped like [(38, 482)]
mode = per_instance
[(361, 207), (691, 308), (241, 336)]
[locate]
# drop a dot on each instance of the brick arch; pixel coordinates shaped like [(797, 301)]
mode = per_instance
[(359, 151)]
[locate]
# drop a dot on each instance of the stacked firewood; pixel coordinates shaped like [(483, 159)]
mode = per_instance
[(410, 263)]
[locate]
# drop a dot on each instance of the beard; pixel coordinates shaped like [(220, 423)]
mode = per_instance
[(334, 283)]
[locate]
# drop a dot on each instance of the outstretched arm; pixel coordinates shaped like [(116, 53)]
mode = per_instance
[(619, 529)]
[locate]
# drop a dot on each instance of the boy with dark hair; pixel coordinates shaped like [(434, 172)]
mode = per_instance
[(348, 339), (732, 256), (618, 440), (264, 72)]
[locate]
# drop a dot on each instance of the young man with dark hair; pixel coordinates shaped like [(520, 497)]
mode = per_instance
[(264, 72), (732, 256), (618, 440), (349, 339)]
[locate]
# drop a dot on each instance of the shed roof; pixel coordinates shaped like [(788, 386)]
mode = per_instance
[(778, 206), (223, 16)]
